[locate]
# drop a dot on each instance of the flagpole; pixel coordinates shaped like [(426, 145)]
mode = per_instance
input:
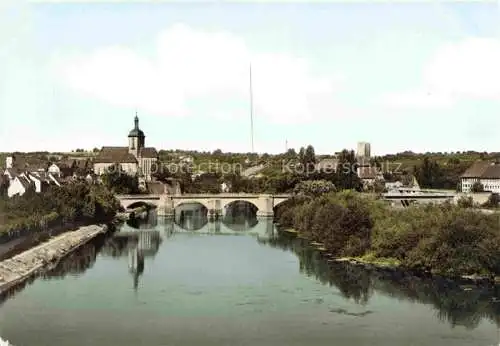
[(251, 107)]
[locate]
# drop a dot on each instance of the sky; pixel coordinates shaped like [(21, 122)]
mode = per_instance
[(402, 76)]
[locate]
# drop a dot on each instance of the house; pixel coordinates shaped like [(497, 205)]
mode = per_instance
[(134, 159), (10, 173), (42, 180), (369, 174), (55, 169), (16, 164), (19, 185), (484, 172), (70, 167)]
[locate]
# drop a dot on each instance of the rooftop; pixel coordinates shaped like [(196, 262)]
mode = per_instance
[(483, 169)]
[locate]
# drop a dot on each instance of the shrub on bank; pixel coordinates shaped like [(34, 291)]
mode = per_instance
[(444, 239)]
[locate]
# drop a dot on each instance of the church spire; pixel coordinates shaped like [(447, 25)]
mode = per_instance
[(136, 121)]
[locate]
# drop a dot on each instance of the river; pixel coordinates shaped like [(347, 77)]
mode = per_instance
[(235, 282)]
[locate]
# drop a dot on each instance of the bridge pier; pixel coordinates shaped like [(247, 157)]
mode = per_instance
[(266, 205), (166, 207)]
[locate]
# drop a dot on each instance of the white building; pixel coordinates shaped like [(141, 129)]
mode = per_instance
[(483, 172), (19, 185), (55, 170)]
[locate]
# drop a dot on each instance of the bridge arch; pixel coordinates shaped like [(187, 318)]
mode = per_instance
[(235, 202), (225, 203), (201, 202), (138, 204), (279, 201)]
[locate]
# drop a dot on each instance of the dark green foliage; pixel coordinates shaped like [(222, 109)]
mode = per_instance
[(120, 182), (477, 187), (493, 201), (429, 174), (206, 183), (340, 221), (78, 202), (314, 188), (346, 176), (465, 202), (4, 185), (444, 239)]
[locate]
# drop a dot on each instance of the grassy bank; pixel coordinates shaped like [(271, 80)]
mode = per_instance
[(441, 239)]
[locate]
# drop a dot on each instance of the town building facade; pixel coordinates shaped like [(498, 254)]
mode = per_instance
[(483, 172)]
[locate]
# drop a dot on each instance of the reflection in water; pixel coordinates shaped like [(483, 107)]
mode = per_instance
[(77, 262), (456, 304), (240, 216), (192, 220), (237, 216), (150, 221), (136, 246)]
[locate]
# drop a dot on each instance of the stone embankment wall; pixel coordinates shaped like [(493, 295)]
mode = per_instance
[(17, 269)]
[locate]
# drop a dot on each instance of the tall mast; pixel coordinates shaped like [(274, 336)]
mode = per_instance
[(251, 107)]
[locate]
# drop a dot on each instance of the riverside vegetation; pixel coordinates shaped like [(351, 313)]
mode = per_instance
[(36, 212), (442, 239)]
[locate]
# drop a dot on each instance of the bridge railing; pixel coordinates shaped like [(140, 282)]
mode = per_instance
[(201, 195)]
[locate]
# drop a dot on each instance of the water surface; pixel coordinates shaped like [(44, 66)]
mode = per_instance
[(236, 282)]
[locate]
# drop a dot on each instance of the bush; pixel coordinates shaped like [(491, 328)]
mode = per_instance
[(465, 202), (493, 201), (314, 188)]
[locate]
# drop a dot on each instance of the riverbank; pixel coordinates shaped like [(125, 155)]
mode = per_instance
[(439, 240), (382, 265), (16, 270)]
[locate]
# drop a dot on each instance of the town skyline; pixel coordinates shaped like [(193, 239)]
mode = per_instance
[(424, 79)]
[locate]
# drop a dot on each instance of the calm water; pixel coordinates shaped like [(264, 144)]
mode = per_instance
[(236, 282)]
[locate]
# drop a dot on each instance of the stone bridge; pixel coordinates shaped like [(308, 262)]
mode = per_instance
[(407, 196), (167, 204)]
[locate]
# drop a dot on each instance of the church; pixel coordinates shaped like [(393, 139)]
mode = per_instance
[(134, 159)]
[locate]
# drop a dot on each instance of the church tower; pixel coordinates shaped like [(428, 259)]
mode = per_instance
[(136, 139)]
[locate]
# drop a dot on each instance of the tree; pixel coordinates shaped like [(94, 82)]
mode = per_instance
[(477, 187), (314, 188), (118, 181), (4, 185), (493, 201), (291, 154), (429, 174), (207, 183), (309, 160), (346, 176)]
